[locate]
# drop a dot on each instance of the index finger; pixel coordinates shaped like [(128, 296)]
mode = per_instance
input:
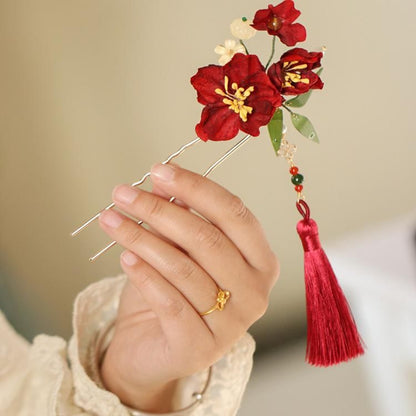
[(220, 207)]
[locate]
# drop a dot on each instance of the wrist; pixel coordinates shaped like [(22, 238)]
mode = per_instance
[(150, 398)]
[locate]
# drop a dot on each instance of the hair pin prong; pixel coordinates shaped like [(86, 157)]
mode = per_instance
[(218, 162), (144, 177)]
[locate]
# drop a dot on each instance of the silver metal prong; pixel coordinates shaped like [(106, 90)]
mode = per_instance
[(226, 155), (78, 230), (206, 173), (113, 243), (107, 247), (144, 177)]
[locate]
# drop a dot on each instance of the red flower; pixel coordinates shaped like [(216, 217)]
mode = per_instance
[(278, 21), (237, 96), (293, 74)]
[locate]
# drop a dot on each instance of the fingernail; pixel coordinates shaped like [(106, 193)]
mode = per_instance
[(124, 194), (129, 258), (163, 172), (111, 218)]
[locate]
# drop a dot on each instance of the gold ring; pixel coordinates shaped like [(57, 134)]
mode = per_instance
[(222, 297)]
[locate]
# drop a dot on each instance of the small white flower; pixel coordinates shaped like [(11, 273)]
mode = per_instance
[(241, 29), (228, 50)]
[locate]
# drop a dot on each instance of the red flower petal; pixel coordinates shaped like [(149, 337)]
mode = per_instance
[(313, 59), (241, 66), (265, 90), (286, 11), (276, 76), (260, 19), (292, 34), (206, 81), (260, 117), (264, 100), (318, 84), (217, 123)]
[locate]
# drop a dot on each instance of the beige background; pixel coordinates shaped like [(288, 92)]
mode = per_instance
[(93, 92)]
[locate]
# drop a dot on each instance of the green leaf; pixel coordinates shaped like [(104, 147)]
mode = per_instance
[(275, 128), (304, 127), (301, 100)]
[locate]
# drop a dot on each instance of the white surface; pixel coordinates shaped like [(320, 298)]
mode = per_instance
[(381, 260), (378, 270)]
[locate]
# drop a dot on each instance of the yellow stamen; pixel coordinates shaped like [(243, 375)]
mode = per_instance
[(293, 75), (302, 66), (290, 76), (235, 100)]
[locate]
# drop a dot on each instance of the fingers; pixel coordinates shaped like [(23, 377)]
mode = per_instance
[(204, 242), (228, 250), (160, 192), (181, 271), (220, 207), (196, 285), (180, 322), (224, 329)]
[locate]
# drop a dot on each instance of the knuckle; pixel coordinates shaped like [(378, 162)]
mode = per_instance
[(238, 209), (209, 235), (174, 307), (258, 307), (145, 280), (258, 297), (154, 207), (184, 270), (262, 305), (260, 312), (274, 268), (134, 236), (195, 182)]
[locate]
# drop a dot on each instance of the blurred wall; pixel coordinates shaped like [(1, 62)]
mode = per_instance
[(94, 92)]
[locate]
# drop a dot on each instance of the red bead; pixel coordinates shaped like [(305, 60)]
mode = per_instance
[(294, 170), (298, 188)]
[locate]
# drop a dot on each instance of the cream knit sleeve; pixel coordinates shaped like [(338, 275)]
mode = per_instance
[(49, 377)]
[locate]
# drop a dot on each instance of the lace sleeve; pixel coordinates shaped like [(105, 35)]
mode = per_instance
[(47, 377), (215, 391)]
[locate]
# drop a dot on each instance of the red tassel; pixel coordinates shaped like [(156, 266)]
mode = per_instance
[(332, 333)]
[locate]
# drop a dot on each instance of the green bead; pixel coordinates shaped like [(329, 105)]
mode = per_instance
[(297, 179), (244, 19)]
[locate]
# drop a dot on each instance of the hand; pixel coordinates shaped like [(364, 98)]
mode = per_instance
[(174, 271)]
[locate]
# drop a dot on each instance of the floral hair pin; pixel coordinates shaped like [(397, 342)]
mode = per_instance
[(242, 94)]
